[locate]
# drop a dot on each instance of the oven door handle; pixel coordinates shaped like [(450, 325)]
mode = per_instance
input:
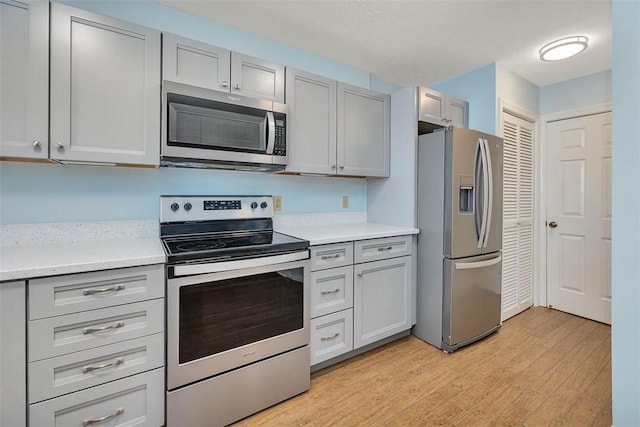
[(215, 267)]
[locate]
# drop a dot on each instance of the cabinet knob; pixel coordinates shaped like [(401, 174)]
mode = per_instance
[(225, 84), (60, 146), (237, 87), (333, 166), (341, 166), (36, 144)]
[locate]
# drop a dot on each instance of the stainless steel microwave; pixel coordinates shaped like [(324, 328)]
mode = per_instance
[(205, 128)]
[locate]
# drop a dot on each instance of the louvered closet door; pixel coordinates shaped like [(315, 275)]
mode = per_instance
[(517, 239)]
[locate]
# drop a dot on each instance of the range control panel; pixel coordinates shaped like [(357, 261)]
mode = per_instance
[(207, 208)]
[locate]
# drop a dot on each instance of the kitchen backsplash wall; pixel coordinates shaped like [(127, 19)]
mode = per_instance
[(34, 193)]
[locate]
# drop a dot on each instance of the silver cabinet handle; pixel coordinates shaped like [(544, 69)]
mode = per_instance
[(115, 363), (36, 144), (104, 290), (93, 421), (386, 248), (237, 87), (60, 146), (336, 335), (334, 256), (359, 274), (116, 325), (335, 291), (341, 166), (225, 84)]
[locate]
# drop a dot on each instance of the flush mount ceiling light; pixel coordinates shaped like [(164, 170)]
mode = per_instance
[(563, 48)]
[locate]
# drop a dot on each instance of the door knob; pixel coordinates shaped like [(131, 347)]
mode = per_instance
[(553, 224)]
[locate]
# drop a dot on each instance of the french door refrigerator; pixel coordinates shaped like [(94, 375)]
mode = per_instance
[(459, 211)]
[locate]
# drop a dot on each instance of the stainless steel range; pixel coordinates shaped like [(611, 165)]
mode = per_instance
[(237, 309)]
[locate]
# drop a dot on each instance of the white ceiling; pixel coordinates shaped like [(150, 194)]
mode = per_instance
[(422, 42)]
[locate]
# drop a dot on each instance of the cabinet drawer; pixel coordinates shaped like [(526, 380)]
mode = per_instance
[(133, 401), (55, 296), (331, 290), (81, 331), (331, 335), (329, 256), (76, 371), (387, 247)]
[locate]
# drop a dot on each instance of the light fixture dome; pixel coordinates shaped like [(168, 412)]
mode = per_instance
[(563, 48)]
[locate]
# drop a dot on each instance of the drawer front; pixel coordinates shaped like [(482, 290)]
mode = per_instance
[(76, 371), (331, 290), (81, 331), (55, 296), (132, 401), (387, 247), (331, 335), (330, 256)]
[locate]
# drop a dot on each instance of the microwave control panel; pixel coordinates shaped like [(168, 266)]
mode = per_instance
[(280, 145)]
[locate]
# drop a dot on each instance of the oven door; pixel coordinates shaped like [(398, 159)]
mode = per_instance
[(223, 320)]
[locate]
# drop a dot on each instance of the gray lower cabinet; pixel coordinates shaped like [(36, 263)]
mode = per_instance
[(441, 109), (13, 345), (361, 293), (105, 89), (335, 128), (24, 79), (96, 348), (200, 64)]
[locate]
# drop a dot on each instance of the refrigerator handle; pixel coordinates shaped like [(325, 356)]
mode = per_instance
[(478, 264), (485, 194), (477, 164), (489, 200)]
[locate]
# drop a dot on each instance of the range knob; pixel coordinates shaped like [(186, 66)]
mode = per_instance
[(254, 205), (175, 207), (263, 205), (187, 206)]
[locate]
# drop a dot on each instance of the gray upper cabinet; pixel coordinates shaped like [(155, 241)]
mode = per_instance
[(441, 109), (364, 119), (105, 89), (200, 64), (24, 79), (335, 128), (311, 123), (195, 63)]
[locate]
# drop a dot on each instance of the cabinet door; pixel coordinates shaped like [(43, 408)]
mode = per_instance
[(13, 357), (105, 89), (432, 106), (257, 78), (195, 63), (24, 79), (458, 112), (311, 123), (381, 299), (363, 132)]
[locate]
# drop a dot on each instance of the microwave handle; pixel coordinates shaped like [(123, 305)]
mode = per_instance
[(271, 134)]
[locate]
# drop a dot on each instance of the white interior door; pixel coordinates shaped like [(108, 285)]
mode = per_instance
[(517, 221), (579, 216)]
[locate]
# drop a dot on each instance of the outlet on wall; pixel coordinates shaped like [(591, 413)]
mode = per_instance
[(277, 203), (345, 202)]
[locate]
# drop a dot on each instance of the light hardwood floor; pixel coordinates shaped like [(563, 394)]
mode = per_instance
[(542, 368)]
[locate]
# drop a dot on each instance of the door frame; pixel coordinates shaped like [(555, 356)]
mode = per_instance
[(506, 106), (540, 196)]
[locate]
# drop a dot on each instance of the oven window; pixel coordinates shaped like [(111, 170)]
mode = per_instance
[(218, 316)]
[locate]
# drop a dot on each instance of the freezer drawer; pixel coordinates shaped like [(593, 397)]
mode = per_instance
[(472, 292)]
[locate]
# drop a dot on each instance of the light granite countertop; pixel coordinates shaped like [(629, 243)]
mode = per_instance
[(39, 250), (335, 233)]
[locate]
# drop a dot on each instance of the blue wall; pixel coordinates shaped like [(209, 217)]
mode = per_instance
[(478, 87), (34, 192), (585, 91), (517, 90), (625, 258)]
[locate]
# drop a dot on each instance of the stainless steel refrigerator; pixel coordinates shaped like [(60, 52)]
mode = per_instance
[(459, 203)]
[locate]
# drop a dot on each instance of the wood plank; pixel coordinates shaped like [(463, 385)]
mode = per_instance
[(543, 367)]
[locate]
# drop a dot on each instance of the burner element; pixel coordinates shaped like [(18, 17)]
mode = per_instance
[(199, 246)]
